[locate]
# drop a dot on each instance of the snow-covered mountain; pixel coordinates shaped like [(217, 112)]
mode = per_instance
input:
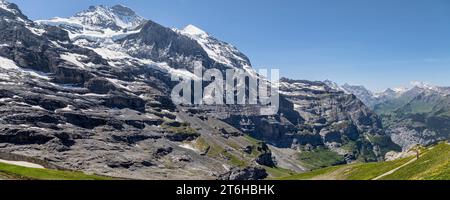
[(121, 36), (220, 51), (99, 22), (84, 99), (372, 99)]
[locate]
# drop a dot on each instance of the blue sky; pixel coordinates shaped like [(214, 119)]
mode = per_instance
[(376, 43)]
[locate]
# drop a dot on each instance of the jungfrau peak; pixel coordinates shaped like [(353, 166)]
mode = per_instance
[(99, 23), (102, 17), (116, 17)]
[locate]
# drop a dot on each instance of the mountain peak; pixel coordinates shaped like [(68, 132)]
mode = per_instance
[(389, 90), (400, 89), (335, 86), (193, 30), (4, 3), (10, 7), (116, 17), (13, 11), (358, 90), (423, 85)]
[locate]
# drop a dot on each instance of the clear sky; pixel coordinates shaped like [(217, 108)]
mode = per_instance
[(375, 43)]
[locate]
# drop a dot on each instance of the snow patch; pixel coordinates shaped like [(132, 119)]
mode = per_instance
[(7, 64), (177, 72), (188, 147), (22, 163), (67, 108), (110, 54), (73, 58), (119, 83), (36, 31), (2, 100), (36, 74), (95, 95), (37, 107)]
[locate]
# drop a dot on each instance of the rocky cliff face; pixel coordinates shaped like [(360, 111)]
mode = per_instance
[(91, 93), (366, 96), (337, 120)]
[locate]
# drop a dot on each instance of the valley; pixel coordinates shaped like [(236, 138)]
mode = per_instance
[(415, 115)]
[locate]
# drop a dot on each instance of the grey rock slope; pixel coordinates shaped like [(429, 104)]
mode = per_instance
[(91, 93), (337, 120), (363, 94)]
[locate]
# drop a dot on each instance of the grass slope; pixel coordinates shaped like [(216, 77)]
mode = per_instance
[(320, 158), (434, 164)]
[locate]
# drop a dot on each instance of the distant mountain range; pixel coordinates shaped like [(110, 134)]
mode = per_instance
[(415, 115)]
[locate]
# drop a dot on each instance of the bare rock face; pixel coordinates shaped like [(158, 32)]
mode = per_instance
[(250, 173), (100, 86), (314, 115), (265, 157)]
